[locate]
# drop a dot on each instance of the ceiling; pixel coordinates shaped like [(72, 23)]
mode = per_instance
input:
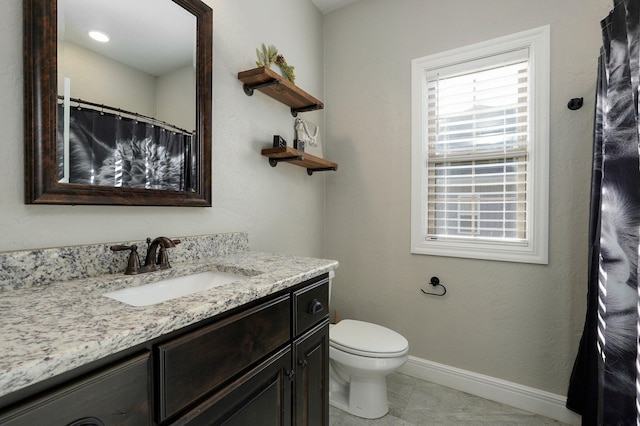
[(139, 30), (327, 6), (156, 37)]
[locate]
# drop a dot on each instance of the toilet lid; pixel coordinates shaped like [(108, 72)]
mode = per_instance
[(363, 338)]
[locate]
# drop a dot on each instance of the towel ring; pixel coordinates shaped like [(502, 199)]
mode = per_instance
[(435, 282)]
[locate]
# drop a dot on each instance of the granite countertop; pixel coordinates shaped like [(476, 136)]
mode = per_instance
[(51, 329)]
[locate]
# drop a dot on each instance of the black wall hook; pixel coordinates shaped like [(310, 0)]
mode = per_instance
[(435, 282), (575, 103)]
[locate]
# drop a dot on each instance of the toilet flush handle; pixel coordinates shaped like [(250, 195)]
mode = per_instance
[(315, 306)]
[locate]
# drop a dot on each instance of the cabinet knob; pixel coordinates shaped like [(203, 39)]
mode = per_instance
[(315, 306), (302, 363), (290, 375)]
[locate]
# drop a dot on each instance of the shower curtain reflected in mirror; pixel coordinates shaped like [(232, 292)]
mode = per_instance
[(604, 382), (111, 150)]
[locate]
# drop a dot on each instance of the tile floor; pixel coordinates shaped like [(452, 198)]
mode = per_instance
[(414, 402)]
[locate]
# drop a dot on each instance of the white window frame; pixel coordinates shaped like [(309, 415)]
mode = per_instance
[(535, 248)]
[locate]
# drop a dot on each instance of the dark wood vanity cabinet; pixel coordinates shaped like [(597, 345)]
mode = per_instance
[(288, 387), (114, 395), (265, 364)]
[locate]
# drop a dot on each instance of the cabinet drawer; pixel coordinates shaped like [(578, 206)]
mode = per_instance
[(195, 364), (310, 305), (115, 396), (262, 396)]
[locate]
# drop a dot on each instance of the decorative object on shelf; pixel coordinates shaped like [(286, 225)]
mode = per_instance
[(286, 68), (269, 56), (298, 144), (309, 134), (266, 56), (278, 142)]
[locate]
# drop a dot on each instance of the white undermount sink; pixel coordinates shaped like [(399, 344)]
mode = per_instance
[(172, 288)]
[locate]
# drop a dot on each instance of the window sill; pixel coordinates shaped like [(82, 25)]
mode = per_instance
[(483, 251)]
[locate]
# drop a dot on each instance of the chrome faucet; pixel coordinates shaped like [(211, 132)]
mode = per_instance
[(154, 261)]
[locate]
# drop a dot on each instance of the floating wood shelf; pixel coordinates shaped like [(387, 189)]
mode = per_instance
[(282, 90), (299, 158), (279, 88)]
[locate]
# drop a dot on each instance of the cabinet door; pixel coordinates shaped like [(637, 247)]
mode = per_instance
[(261, 397), (198, 363), (114, 396), (311, 355)]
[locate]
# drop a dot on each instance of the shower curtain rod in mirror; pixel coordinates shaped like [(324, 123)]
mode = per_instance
[(119, 111)]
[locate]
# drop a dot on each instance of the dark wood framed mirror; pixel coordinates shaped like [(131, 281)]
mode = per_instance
[(45, 182)]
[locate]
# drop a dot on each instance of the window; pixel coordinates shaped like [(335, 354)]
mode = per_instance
[(480, 143)]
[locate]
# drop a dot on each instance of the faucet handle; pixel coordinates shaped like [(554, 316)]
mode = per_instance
[(121, 247), (133, 263)]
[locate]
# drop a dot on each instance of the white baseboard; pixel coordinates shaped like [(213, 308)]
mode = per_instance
[(529, 399)]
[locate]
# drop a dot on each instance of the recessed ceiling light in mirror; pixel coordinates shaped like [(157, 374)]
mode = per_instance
[(99, 36)]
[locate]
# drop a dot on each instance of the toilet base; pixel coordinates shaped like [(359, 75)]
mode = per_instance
[(362, 397)]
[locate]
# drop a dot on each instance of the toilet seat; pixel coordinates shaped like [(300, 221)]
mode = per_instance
[(366, 339)]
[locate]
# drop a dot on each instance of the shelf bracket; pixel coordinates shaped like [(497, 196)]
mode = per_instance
[(321, 169), (248, 90), (295, 111), (274, 161)]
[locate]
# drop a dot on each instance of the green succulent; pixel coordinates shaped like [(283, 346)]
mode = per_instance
[(286, 68), (267, 56)]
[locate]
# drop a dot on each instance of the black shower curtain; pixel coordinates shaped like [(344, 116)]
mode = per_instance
[(603, 385), (110, 150)]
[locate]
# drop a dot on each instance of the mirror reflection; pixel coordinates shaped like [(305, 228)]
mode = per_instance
[(126, 85)]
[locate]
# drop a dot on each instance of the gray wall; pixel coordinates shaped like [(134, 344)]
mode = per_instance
[(512, 321), (272, 205)]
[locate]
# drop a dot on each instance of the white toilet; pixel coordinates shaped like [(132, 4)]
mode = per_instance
[(361, 355)]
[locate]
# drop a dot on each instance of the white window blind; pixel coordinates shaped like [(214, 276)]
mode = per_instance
[(478, 138), (480, 148)]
